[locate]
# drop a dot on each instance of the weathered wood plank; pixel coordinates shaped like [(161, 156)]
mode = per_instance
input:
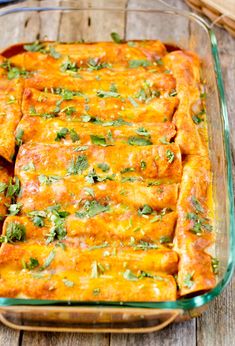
[(9, 336), (62, 339), (182, 334)]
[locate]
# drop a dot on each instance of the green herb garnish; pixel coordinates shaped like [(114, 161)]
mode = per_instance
[(3, 187), (78, 165), (188, 282), (91, 209), (99, 140), (14, 209), (170, 156), (13, 72), (69, 66), (95, 65), (29, 167), (103, 166), (127, 170), (32, 264), (96, 269), (145, 210), (34, 47), (100, 246), (139, 63), (116, 37), (47, 180), (141, 131), (13, 189), (199, 224), (105, 94), (19, 136), (163, 140), (57, 216), (132, 101), (38, 217), (197, 205), (48, 260), (128, 275), (134, 140), (165, 239), (93, 177), (14, 232)]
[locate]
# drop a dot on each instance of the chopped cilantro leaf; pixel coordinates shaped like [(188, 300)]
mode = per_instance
[(145, 210), (197, 205), (132, 101), (134, 140), (48, 260), (105, 94), (91, 209), (103, 166), (93, 177), (38, 217), (15, 232), (34, 47), (100, 246), (128, 275), (53, 53), (57, 231), (61, 134), (142, 132), (143, 245), (3, 187), (19, 136), (13, 72), (165, 239), (98, 140), (74, 136), (188, 282), (139, 63), (89, 191), (29, 167), (170, 156), (94, 64), (96, 269), (47, 180), (116, 37), (127, 170), (69, 65), (130, 179), (14, 209), (78, 165), (143, 165), (163, 140), (33, 263), (13, 189), (199, 224)]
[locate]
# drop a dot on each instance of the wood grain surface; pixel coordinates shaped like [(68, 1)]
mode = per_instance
[(216, 327)]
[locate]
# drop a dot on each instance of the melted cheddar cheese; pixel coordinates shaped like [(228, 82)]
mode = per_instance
[(111, 195)]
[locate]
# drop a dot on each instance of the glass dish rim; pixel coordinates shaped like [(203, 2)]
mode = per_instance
[(184, 303)]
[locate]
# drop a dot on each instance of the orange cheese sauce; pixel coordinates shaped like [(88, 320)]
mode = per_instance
[(111, 196)]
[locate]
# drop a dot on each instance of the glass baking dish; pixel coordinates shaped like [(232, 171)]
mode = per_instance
[(67, 22)]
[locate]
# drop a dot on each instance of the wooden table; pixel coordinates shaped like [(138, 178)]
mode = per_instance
[(216, 327)]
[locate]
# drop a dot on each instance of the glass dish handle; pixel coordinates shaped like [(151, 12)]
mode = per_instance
[(87, 320)]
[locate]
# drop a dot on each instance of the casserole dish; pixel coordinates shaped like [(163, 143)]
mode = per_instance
[(184, 30)]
